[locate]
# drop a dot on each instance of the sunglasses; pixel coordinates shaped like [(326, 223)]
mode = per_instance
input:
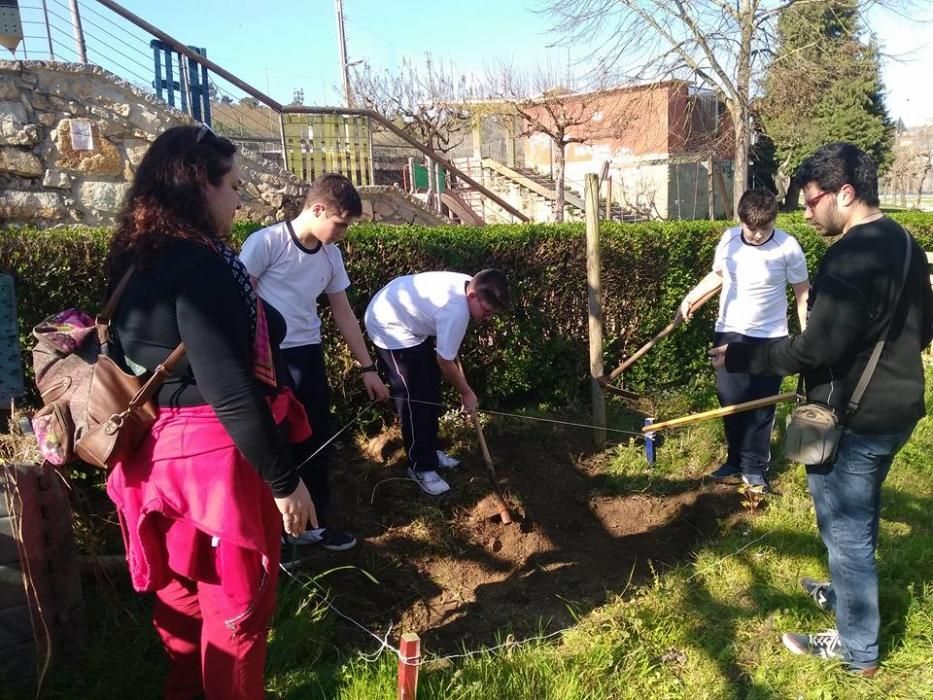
[(811, 203), (203, 131)]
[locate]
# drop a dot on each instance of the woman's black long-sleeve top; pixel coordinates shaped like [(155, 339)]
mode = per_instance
[(187, 292)]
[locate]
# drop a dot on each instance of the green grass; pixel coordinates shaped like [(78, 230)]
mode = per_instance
[(708, 629)]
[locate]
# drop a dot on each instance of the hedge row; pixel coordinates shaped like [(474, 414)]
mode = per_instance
[(538, 354)]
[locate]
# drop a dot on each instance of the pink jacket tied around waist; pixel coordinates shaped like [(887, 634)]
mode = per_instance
[(188, 478)]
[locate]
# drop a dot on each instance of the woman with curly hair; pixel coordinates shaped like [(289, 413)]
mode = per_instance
[(203, 501)]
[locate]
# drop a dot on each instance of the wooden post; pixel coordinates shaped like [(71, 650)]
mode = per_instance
[(594, 307), (710, 195), (609, 198), (408, 664)]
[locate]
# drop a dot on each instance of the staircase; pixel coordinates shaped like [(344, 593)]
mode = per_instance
[(528, 190)]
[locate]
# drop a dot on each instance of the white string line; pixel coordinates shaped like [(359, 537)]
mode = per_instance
[(337, 434), (384, 644), (372, 497), (523, 417)]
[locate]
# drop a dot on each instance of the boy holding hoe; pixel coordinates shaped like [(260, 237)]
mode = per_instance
[(753, 265)]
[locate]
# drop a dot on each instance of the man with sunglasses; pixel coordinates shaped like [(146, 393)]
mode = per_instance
[(417, 323), (856, 300)]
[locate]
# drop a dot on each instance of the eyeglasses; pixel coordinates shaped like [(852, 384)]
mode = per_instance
[(203, 131), (811, 203), (487, 309)]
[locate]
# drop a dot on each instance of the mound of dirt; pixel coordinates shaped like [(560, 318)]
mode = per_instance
[(448, 569)]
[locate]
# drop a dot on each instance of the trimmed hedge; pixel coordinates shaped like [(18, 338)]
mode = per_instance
[(538, 354)]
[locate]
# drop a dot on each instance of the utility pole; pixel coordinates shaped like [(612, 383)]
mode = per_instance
[(342, 45)]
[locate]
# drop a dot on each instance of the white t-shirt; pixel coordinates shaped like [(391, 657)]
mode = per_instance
[(291, 277), (412, 308), (753, 300)]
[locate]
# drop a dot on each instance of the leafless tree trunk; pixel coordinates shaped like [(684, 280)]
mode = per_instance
[(720, 44)]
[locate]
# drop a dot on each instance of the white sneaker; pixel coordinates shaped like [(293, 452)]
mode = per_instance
[(445, 461), (430, 482)]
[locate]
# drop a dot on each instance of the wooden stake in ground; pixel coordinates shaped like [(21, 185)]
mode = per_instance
[(678, 319), (594, 309), (491, 470), (408, 664), (719, 412)]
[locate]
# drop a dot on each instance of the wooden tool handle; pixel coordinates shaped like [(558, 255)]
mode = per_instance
[(491, 470), (719, 412), (678, 319)]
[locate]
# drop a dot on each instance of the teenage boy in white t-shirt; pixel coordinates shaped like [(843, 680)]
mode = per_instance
[(294, 262), (417, 323), (754, 263)]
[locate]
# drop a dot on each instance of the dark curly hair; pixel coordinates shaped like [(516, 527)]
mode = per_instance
[(837, 164), (166, 200)]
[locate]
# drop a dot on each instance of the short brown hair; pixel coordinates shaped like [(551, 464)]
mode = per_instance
[(336, 193), (492, 286), (757, 208)]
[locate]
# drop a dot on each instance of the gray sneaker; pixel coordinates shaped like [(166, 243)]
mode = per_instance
[(819, 591), (756, 482), (826, 645)]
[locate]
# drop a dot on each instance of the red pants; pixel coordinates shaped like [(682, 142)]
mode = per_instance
[(215, 636)]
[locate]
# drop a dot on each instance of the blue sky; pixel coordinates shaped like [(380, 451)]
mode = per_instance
[(280, 46)]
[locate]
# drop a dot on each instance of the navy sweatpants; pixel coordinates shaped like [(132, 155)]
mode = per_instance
[(309, 382), (412, 373), (748, 434)]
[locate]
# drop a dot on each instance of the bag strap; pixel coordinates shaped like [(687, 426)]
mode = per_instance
[(103, 318), (159, 375), (161, 372), (879, 346)]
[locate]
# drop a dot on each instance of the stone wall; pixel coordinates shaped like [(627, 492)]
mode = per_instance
[(45, 179)]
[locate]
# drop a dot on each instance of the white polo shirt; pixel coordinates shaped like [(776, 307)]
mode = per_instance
[(291, 277), (410, 309), (753, 300)]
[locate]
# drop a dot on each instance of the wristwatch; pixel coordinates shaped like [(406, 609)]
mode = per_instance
[(368, 368)]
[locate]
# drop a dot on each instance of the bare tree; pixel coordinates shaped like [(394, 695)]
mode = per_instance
[(547, 103), (913, 163), (426, 101), (723, 44)]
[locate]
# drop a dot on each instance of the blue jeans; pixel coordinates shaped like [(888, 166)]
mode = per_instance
[(847, 499)]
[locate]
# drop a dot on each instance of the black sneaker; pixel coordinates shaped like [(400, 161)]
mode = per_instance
[(727, 471), (819, 591), (334, 540)]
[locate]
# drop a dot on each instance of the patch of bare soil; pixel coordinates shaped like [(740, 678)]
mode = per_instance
[(451, 571)]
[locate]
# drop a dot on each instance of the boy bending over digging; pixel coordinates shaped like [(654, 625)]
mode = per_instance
[(417, 323)]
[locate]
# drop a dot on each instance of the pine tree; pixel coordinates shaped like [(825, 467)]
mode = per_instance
[(824, 85)]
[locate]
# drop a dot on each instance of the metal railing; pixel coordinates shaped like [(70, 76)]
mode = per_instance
[(305, 140)]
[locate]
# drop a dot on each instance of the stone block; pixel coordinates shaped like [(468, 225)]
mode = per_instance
[(17, 205), (105, 159), (8, 89), (102, 196), (20, 162), (15, 129), (57, 180)]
